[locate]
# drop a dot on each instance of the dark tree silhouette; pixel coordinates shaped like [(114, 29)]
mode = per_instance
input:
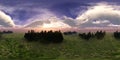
[(100, 34), (70, 33), (89, 35), (116, 35), (7, 32), (45, 37), (1, 34)]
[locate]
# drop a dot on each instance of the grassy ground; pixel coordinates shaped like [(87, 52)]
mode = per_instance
[(13, 46)]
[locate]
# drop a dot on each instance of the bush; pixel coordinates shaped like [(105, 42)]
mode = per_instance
[(1, 34), (70, 33), (7, 32), (86, 36), (99, 34), (117, 35), (45, 37), (89, 35)]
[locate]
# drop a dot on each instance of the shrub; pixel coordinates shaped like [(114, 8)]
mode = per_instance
[(1, 34), (100, 34), (117, 35), (86, 36), (45, 37), (70, 33), (89, 35)]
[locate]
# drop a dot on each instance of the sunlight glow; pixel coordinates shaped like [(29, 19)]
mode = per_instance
[(56, 25)]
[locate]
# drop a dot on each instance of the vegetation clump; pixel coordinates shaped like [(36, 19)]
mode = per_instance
[(70, 33), (89, 35), (44, 36), (7, 32), (116, 35), (1, 34)]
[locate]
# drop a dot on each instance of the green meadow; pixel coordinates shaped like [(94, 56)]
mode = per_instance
[(15, 47)]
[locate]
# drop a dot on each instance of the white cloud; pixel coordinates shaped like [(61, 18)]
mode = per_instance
[(46, 20), (113, 25), (57, 24), (100, 22), (102, 14), (5, 20), (34, 24), (51, 23)]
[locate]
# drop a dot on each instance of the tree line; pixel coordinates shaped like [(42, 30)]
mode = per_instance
[(70, 33), (90, 35), (5, 32), (57, 36), (44, 36)]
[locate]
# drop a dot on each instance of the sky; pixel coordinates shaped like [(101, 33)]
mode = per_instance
[(59, 14)]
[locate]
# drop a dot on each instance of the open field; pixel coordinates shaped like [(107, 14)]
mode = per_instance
[(14, 46)]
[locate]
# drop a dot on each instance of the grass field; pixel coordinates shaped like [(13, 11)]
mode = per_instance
[(14, 46)]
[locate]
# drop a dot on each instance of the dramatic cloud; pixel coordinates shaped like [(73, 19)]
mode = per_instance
[(34, 24), (70, 21), (102, 14), (59, 14), (45, 16), (46, 20), (5, 20), (51, 23)]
